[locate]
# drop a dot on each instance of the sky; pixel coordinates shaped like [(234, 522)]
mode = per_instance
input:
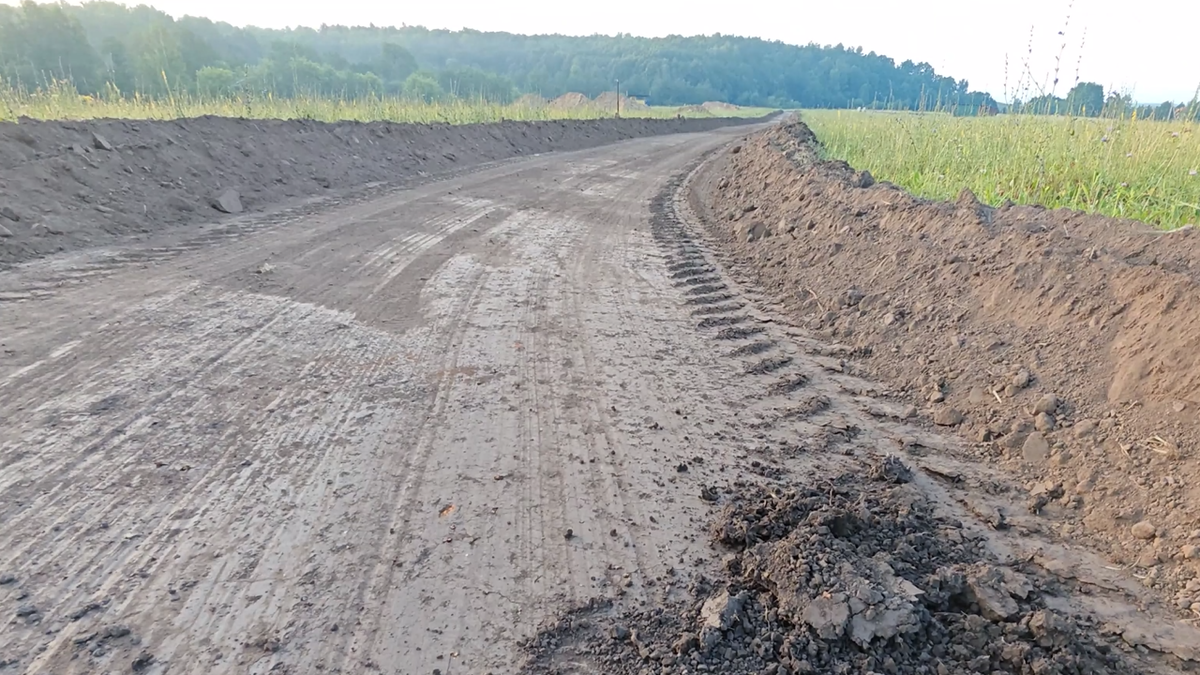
[(1149, 49)]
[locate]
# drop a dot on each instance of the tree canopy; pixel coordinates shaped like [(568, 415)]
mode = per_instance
[(143, 50), (102, 46)]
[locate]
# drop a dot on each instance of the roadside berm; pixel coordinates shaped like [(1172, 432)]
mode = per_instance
[(1051, 360), (69, 185), (1062, 347)]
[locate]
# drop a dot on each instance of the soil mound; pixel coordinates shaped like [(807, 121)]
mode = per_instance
[(608, 101), (1063, 346), (850, 576), (570, 101), (67, 185), (718, 107)]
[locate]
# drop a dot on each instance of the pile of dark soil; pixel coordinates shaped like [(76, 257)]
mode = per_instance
[(1062, 346), (848, 575), (67, 185)]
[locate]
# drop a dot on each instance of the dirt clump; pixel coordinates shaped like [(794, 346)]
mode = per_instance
[(840, 576), (1062, 346), (69, 185)]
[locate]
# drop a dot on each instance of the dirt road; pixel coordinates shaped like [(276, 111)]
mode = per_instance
[(401, 435), (392, 436)]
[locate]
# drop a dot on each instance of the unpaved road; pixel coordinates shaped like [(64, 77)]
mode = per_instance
[(353, 441), (401, 435)]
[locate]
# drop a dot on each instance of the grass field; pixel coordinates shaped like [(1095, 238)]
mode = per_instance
[(1141, 169), (63, 103)]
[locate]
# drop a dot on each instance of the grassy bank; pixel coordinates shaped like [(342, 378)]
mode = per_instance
[(1147, 170), (63, 103)]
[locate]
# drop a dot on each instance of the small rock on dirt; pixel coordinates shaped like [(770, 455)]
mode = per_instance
[(6, 579), (142, 661), (721, 610), (828, 616), (1036, 448), (947, 417), (1022, 379), (687, 643), (228, 201), (1190, 552), (1143, 530), (977, 396), (101, 143), (7, 212), (1044, 422), (5, 232), (1085, 428), (1046, 404)]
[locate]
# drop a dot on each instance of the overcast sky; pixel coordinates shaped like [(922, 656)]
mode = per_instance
[(1150, 48)]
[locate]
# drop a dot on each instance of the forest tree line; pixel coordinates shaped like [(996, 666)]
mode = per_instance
[(104, 48)]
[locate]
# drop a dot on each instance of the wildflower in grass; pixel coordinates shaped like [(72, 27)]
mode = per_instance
[(1192, 172)]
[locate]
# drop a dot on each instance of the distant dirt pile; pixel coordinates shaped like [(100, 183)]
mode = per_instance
[(608, 101), (66, 185), (719, 107), (570, 101), (853, 575), (1065, 346)]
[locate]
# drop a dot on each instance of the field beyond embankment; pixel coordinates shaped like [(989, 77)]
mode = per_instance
[(1141, 169)]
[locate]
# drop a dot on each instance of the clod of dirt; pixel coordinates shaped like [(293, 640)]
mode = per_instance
[(841, 577), (1143, 530), (114, 632), (947, 417), (569, 534), (228, 201), (142, 661), (6, 579), (892, 470), (27, 610), (7, 212), (101, 143), (1022, 379), (1036, 448), (1046, 404)]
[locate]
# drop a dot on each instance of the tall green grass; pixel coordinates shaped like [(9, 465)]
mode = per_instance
[(60, 101), (1129, 168)]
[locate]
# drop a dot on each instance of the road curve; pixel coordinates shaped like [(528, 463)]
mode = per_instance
[(386, 436)]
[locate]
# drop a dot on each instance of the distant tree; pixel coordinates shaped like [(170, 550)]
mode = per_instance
[(422, 87), (39, 43), (1085, 99), (476, 83), (118, 66), (215, 82), (1117, 105), (158, 64), (395, 63)]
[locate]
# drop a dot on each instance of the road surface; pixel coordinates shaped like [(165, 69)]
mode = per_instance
[(389, 436)]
